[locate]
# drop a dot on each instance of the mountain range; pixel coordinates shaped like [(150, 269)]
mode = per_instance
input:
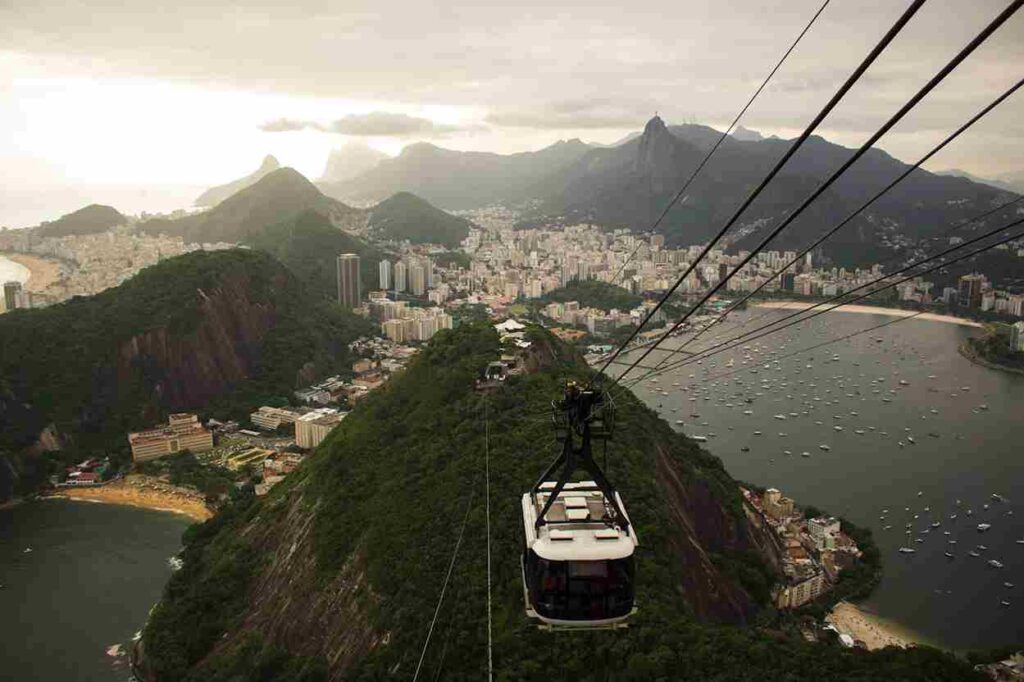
[(629, 184), (1011, 182)]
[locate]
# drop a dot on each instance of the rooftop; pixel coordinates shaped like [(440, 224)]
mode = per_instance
[(579, 531)]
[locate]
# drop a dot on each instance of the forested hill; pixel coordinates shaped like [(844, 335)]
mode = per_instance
[(281, 195), (592, 293), (224, 330), (88, 220), (336, 573), (405, 216), (309, 244)]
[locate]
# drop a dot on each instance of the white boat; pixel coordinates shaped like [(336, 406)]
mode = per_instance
[(780, 417), (994, 564), (982, 527), (973, 553), (807, 454), (949, 555), (700, 439), (1008, 585), (910, 439), (907, 550), (824, 447)]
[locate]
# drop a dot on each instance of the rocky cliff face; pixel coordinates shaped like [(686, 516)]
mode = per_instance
[(224, 349)]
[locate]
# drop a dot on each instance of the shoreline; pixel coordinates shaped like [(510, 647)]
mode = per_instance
[(144, 492), (42, 272), (875, 631), (968, 352), (871, 310)]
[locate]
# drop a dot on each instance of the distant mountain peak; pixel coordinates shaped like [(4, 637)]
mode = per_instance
[(655, 125), (746, 135), (215, 195), (351, 160)]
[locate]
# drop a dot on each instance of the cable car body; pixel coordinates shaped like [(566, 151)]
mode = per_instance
[(577, 562), (577, 569), (493, 377)]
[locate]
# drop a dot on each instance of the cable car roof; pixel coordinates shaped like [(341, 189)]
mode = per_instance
[(575, 530)]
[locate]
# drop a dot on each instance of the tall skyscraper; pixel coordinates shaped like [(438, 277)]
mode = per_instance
[(970, 290), (385, 274), (12, 294), (349, 291), (400, 272)]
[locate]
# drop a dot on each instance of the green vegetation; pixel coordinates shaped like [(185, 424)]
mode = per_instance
[(277, 197), (389, 489), (591, 293), (994, 347), (205, 596), (406, 216), (89, 220), (309, 244), (453, 259), (214, 482), (98, 366)]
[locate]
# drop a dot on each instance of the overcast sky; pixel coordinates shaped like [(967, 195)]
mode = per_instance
[(196, 91)]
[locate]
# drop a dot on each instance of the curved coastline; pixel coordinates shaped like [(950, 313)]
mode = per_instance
[(871, 310), (965, 349)]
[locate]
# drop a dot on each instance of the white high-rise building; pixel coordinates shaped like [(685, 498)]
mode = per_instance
[(400, 273), (385, 274), (418, 280)]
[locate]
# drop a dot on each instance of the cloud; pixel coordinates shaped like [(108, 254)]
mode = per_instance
[(285, 125), (577, 114), (372, 124)]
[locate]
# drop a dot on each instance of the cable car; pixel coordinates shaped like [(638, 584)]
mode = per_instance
[(494, 376), (577, 564)]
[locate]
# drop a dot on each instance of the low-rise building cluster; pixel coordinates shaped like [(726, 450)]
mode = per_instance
[(814, 551)]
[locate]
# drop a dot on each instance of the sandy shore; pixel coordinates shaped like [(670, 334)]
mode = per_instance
[(44, 272), (871, 310), (143, 491), (874, 631)]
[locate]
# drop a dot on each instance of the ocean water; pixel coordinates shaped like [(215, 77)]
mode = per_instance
[(963, 454), (87, 584)]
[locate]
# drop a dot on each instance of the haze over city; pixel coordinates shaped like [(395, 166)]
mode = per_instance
[(103, 95)]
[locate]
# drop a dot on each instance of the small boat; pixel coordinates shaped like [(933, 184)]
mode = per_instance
[(807, 454), (824, 447), (982, 548), (936, 524), (994, 564), (700, 439), (907, 550), (1008, 585), (973, 553), (982, 527), (744, 449), (837, 428), (949, 555), (910, 439)]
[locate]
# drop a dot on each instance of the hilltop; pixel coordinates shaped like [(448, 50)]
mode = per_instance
[(91, 219), (335, 574), (406, 216), (309, 244), (215, 195), (223, 330), (279, 196), (592, 293)]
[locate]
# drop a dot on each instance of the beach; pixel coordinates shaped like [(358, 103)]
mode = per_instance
[(42, 272), (136, 490), (871, 310), (874, 631)]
